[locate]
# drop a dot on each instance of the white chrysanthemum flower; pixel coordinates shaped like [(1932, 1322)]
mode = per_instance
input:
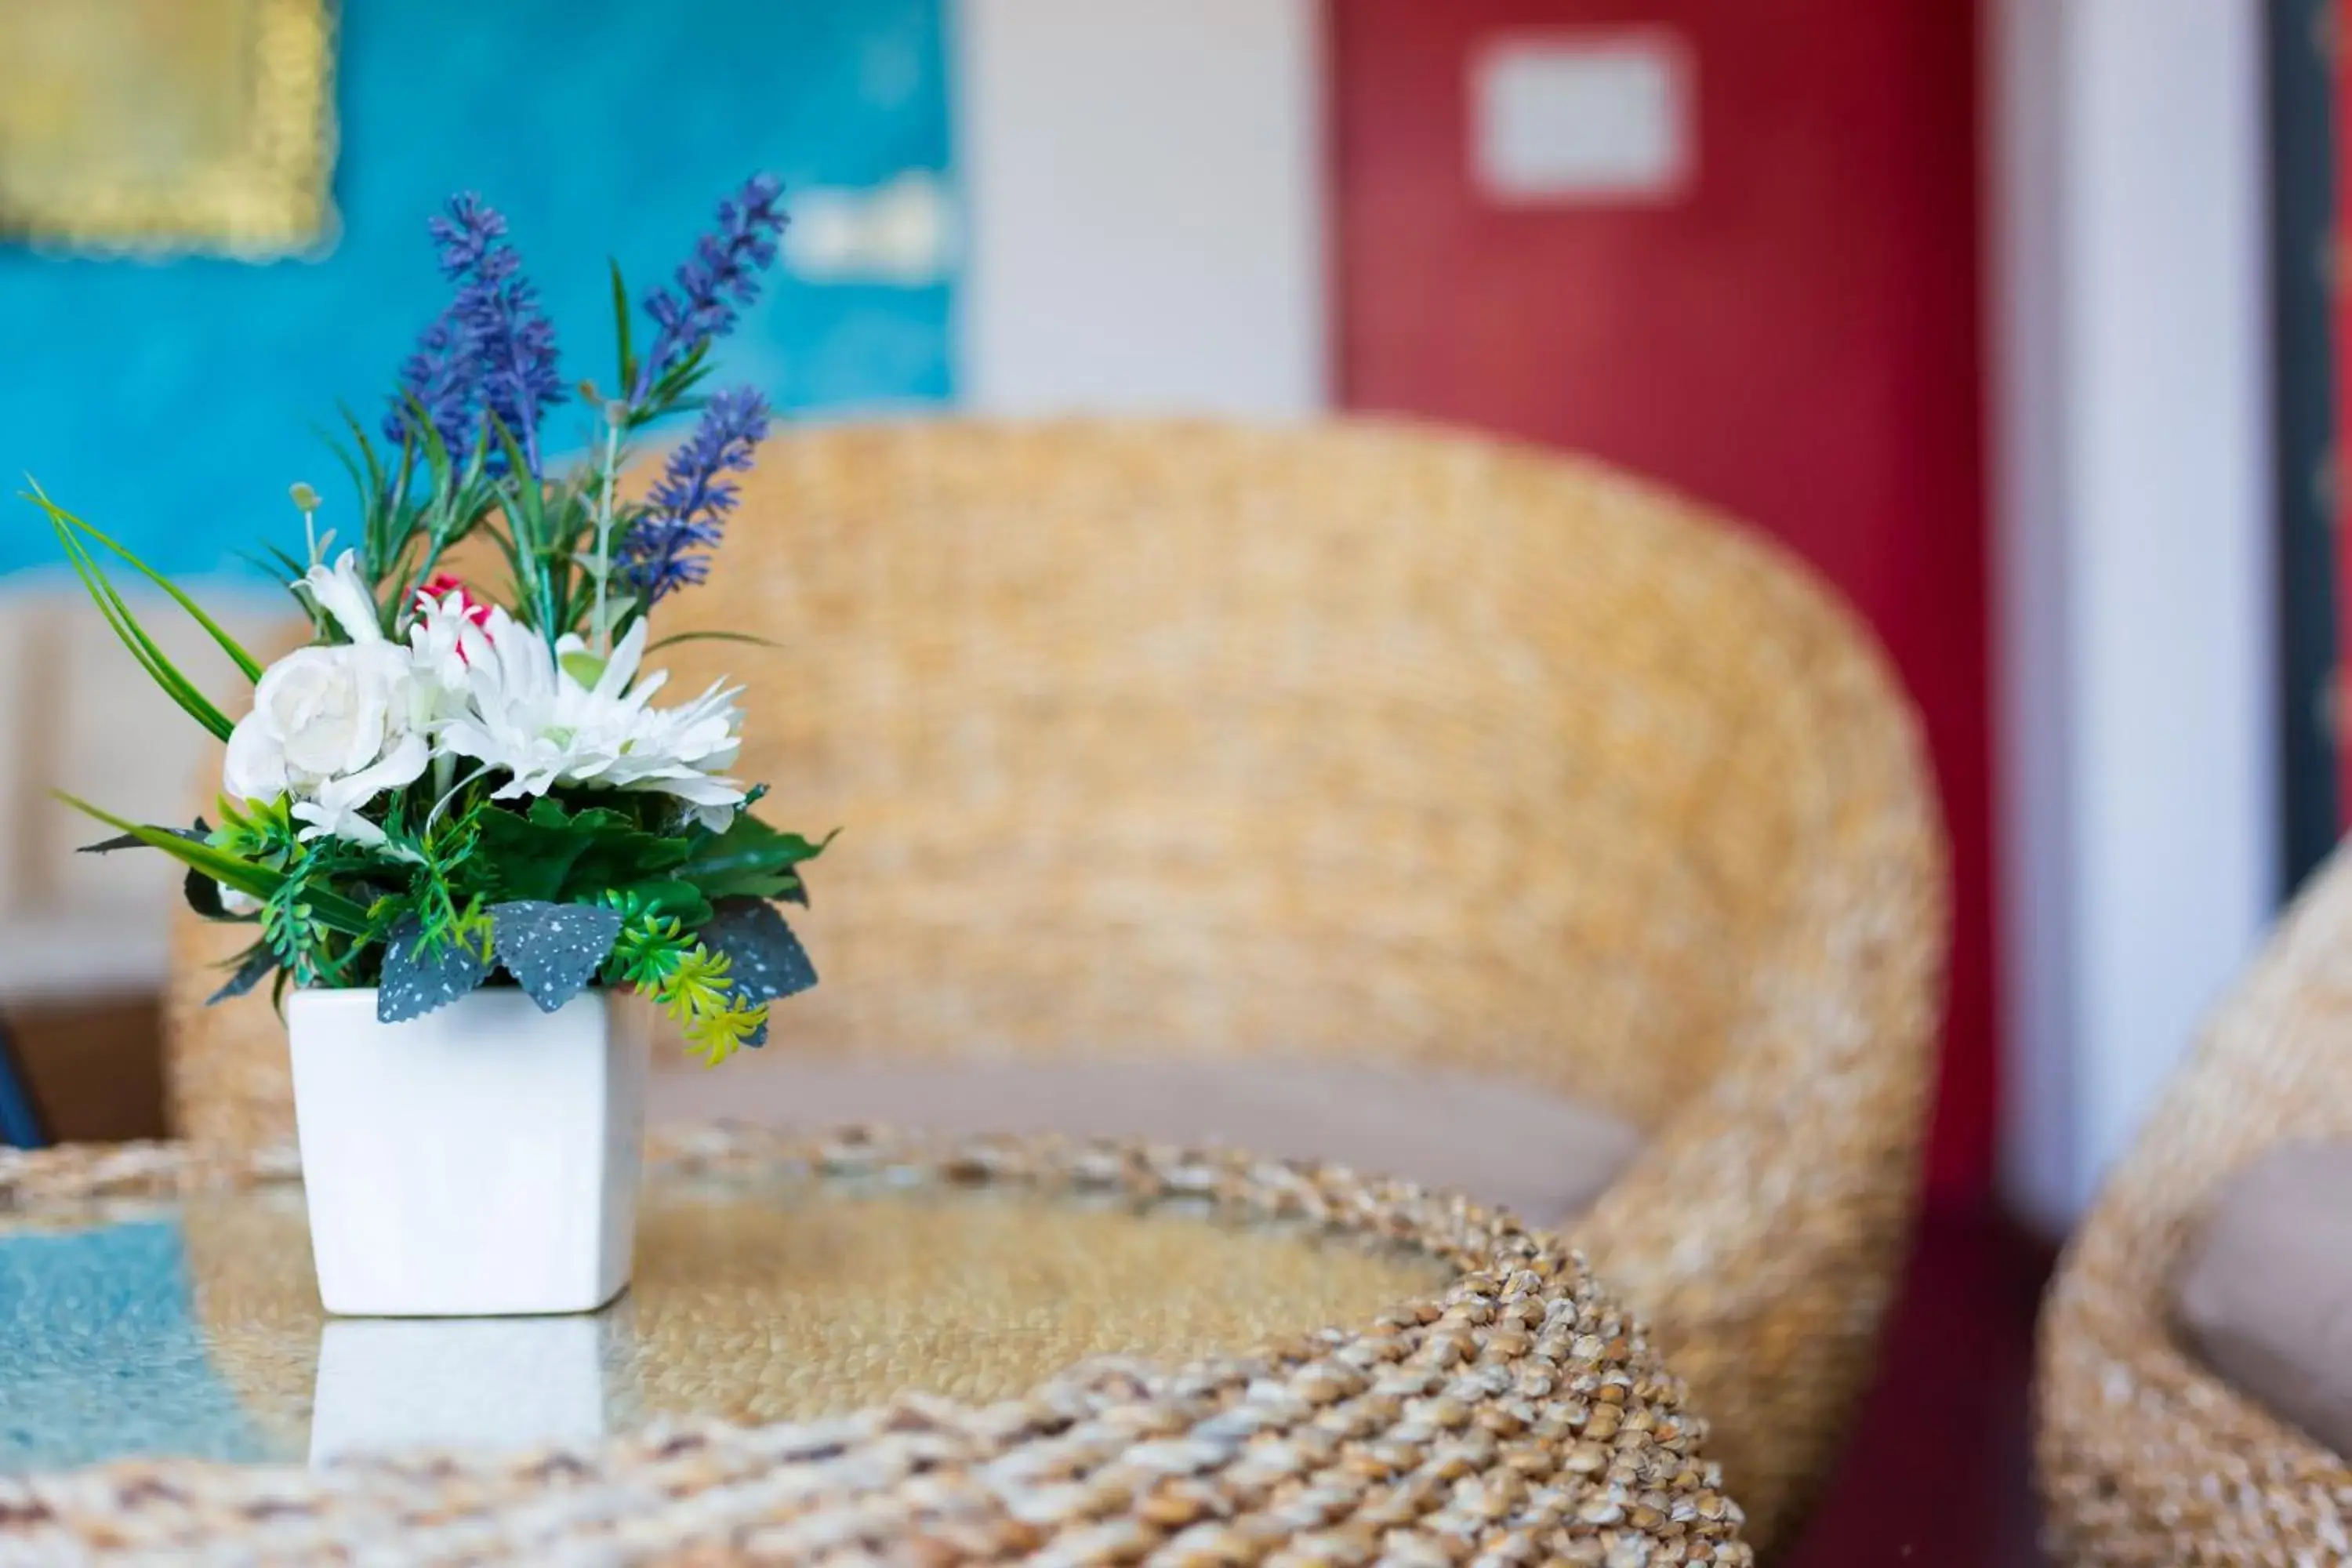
[(435, 651), (530, 714)]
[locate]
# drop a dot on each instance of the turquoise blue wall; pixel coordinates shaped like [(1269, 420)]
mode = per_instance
[(172, 403)]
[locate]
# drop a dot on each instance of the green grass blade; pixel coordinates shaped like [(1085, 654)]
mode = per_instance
[(395, 508), (243, 661), (676, 638), (628, 364), (380, 500), (279, 564), (232, 871), (338, 913), (526, 497), (333, 909), (144, 651), (126, 627), (366, 451), (350, 465)]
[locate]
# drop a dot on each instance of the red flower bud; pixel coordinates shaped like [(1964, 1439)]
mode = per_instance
[(441, 585)]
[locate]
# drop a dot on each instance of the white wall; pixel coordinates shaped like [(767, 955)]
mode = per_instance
[(1146, 184), (2131, 479)]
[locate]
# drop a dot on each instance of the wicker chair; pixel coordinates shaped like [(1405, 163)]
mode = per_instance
[(1356, 741), (2145, 1457)]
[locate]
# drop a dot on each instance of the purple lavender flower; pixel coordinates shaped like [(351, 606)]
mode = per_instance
[(513, 342), (668, 547), (467, 237), (493, 350), (440, 376), (722, 274)]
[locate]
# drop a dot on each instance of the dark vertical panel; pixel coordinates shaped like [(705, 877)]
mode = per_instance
[(18, 1126), (2303, 175)]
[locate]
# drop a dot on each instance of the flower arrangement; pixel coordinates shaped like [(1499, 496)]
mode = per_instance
[(446, 787)]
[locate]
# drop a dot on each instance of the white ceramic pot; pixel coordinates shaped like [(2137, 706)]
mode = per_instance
[(479, 1161)]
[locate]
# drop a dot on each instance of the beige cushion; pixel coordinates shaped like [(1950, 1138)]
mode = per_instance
[(2265, 1291), (77, 714), (111, 736), (1541, 1156)]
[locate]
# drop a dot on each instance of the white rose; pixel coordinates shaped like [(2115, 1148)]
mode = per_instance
[(334, 728)]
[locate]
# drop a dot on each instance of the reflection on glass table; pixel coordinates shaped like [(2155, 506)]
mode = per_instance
[(191, 1327), (387, 1384)]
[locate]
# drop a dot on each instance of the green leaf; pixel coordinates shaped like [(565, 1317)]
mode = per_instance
[(530, 504), (244, 874), (148, 655), (628, 361), (133, 841), (375, 485), (583, 667), (126, 627), (669, 393), (675, 637), (203, 895), (682, 901), (555, 857), (439, 461), (331, 909), (256, 963), (245, 661), (280, 565), (525, 503), (751, 859), (350, 465), (202, 892)]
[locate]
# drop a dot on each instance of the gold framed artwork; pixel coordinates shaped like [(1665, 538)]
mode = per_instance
[(164, 125)]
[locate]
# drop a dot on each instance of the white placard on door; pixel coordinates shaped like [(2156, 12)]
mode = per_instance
[(1563, 117)]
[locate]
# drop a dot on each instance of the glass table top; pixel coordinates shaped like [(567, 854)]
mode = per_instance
[(191, 1326)]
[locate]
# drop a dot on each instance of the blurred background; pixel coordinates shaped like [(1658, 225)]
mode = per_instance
[(2012, 317)]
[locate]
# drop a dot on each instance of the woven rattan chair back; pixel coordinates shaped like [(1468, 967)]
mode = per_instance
[(1356, 741), (2144, 1455)]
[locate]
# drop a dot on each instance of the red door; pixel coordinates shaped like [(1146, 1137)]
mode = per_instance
[(1789, 331)]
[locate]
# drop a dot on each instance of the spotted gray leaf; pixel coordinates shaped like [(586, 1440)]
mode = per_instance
[(553, 951), (415, 982), (768, 961)]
